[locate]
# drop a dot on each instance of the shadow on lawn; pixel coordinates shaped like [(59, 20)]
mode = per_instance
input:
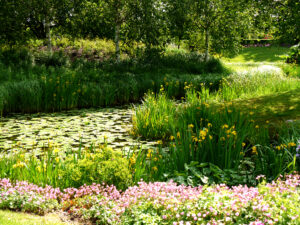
[(282, 106)]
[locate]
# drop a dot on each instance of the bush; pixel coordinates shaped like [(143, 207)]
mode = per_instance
[(16, 58), (70, 169), (106, 166), (55, 59), (294, 54)]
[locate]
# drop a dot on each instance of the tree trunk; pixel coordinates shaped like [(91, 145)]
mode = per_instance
[(117, 41), (48, 34), (206, 44)]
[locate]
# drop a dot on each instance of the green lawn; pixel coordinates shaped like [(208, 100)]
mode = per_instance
[(18, 218), (259, 54), (277, 106)]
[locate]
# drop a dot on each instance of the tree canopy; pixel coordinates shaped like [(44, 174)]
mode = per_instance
[(209, 25)]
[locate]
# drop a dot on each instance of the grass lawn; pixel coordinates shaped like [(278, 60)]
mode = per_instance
[(18, 218), (259, 54), (274, 107)]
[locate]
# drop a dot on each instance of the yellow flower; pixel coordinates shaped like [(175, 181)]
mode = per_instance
[(132, 159), (159, 142), (195, 139), (191, 126), (267, 121), (210, 137), (203, 133), (56, 150), (178, 134), (154, 168), (256, 126), (243, 144), (229, 111), (251, 113), (225, 126), (209, 125), (222, 139), (57, 159), (172, 138), (292, 144), (278, 148), (149, 153), (254, 150), (234, 133)]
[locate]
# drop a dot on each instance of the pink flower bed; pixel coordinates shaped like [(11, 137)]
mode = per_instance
[(165, 203)]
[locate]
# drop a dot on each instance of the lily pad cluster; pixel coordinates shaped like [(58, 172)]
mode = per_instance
[(69, 130)]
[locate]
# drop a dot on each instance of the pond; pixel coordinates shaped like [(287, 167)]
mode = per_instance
[(69, 130)]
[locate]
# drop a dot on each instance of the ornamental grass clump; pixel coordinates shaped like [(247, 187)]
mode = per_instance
[(209, 140)]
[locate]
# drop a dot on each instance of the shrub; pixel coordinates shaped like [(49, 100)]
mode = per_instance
[(55, 59), (294, 54), (16, 57), (106, 166), (70, 169)]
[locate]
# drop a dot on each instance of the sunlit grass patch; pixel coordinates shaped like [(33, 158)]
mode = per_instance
[(18, 218), (271, 54), (273, 107)]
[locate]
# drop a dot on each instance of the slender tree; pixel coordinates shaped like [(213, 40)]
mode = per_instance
[(222, 23)]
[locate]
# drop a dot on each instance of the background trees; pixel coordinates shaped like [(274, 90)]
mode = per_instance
[(209, 25), (287, 20)]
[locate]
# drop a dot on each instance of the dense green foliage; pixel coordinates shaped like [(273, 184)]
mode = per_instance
[(214, 122), (204, 25), (215, 144), (45, 81), (68, 169), (294, 55)]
